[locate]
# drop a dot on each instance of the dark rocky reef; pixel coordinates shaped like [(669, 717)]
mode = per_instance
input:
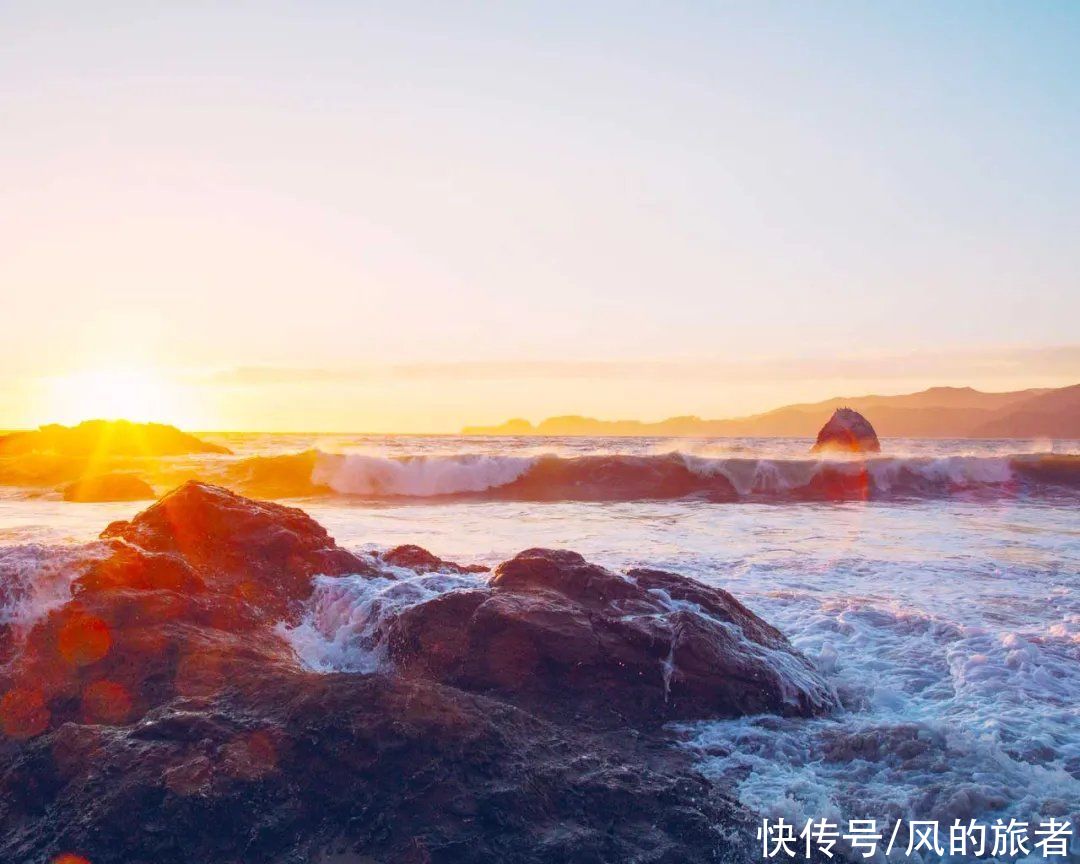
[(159, 715), (108, 487), (106, 438), (847, 431)]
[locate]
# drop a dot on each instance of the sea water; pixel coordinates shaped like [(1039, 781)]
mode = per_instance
[(949, 624)]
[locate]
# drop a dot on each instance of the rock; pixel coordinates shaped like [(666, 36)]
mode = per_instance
[(847, 431), (239, 544), (108, 487), (563, 638), (419, 559), (160, 716), (357, 769), (104, 438)]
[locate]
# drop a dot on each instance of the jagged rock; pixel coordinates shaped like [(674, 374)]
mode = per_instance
[(564, 638), (356, 769), (417, 558), (848, 431), (160, 716), (240, 544)]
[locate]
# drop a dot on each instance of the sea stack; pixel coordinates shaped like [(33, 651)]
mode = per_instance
[(847, 431)]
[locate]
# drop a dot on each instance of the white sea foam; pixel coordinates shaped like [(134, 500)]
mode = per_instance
[(884, 474), (342, 629), (950, 626), (758, 476), (796, 677), (416, 476), (947, 718), (955, 471), (424, 476), (35, 579)]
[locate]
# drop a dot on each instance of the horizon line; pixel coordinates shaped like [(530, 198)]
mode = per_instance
[(535, 424)]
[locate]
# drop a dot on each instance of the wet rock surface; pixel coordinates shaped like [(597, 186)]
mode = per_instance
[(418, 559), (242, 546), (568, 639), (847, 431), (159, 715)]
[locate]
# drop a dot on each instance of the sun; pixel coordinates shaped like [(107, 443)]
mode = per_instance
[(116, 393)]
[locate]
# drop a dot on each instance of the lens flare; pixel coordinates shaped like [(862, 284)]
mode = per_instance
[(23, 713), (84, 639), (106, 702)]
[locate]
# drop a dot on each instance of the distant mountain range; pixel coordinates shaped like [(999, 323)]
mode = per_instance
[(940, 412)]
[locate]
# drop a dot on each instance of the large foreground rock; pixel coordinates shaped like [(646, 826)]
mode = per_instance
[(160, 716), (261, 551), (847, 431)]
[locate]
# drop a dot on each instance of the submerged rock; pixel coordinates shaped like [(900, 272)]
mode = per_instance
[(108, 487), (160, 716), (848, 431)]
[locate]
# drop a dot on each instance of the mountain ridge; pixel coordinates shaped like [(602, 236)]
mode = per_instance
[(938, 412)]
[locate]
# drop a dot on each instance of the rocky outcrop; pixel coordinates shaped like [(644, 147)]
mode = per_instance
[(106, 438), (847, 431), (108, 487), (160, 716), (357, 769), (264, 552), (567, 639), (419, 560)]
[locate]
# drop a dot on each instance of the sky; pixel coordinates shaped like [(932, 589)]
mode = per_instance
[(411, 217)]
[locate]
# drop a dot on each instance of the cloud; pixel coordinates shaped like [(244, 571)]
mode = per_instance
[(256, 376), (958, 367)]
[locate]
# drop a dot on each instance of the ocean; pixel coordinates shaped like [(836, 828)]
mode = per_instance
[(937, 586)]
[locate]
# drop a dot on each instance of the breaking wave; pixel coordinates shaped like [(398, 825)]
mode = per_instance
[(34, 580), (419, 477), (343, 626), (946, 720), (670, 476)]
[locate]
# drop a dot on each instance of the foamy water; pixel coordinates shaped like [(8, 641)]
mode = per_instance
[(949, 625)]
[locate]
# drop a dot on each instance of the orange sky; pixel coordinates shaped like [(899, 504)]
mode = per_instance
[(443, 397)]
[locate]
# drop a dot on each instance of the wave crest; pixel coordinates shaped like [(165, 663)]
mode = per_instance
[(670, 476), (416, 477)]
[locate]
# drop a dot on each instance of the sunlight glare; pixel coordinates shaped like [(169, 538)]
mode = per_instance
[(140, 395)]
